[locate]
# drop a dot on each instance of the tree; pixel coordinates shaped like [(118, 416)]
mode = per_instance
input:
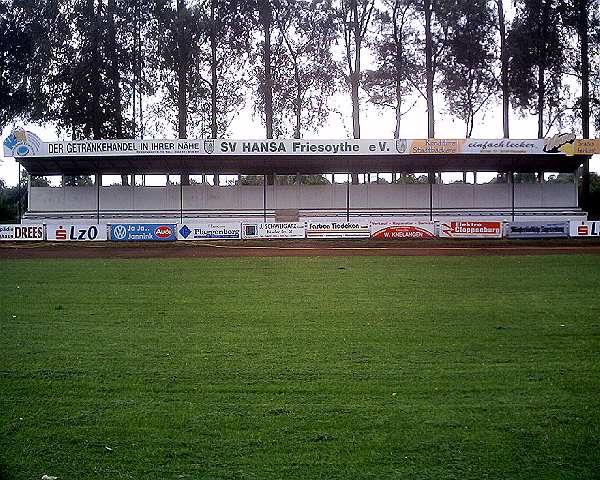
[(226, 27), (305, 70), (582, 18), (503, 69), (537, 60), (395, 58), (435, 16), (15, 46), (180, 34), (468, 79), (265, 19), (355, 17)]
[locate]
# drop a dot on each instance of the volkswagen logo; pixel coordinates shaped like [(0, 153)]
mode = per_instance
[(119, 232)]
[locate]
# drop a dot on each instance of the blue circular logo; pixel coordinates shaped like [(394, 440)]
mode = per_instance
[(22, 150)]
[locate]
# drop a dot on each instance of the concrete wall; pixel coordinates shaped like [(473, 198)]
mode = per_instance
[(362, 196)]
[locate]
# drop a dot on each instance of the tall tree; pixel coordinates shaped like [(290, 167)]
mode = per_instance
[(582, 18), (434, 15), (306, 72), (355, 18), (503, 69), (468, 80), (227, 29), (265, 19), (396, 58), (180, 35), (16, 45), (537, 60)]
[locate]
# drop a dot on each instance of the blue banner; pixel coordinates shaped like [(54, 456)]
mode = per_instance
[(140, 232)]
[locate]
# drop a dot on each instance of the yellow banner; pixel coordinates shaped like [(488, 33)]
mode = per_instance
[(587, 146)]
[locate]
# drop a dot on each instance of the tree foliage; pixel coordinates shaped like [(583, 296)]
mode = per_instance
[(537, 62), (468, 70)]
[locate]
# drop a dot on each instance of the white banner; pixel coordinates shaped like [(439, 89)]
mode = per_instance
[(470, 229), (209, 231), (21, 143), (584, 229), (21, 233), (393, 229), (76, 232), (358, 229), (274, 230)]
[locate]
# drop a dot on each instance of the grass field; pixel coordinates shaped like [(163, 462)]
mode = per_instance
[(301, 368)]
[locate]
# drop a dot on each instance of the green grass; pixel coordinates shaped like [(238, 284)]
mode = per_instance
[(301, 368)]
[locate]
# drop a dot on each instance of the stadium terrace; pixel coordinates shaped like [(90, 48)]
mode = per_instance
[(362, 179)]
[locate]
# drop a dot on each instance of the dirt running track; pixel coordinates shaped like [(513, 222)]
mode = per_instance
[(299, 248)]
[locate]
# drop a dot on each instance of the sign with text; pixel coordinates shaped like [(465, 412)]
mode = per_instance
[(21, 233), (209, 231), (399, 230), (537, 229), (359, 229), (470, 229), (21, 143), (585, 229), (139, 232), (274, 230), (76, 232)]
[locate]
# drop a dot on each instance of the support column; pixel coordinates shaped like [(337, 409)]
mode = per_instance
[(19, 195), (348, 198), (28, 191), (585, 184), (181, 198), (511, 179), (264, 198), (431, 182), (98, 185)]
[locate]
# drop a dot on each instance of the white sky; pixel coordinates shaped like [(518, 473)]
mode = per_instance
[(375, 123)]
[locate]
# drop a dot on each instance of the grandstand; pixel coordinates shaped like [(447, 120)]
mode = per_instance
[(274, 201)]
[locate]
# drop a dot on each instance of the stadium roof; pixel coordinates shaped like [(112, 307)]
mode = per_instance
[(562, 153)]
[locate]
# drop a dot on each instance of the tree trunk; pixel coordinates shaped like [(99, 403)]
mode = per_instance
[(214, 78), (140, 73), (542, 65), (582, 26), (429, 69), (504, 68), (182, 68), (298, 106), (266, 16), (115, 78), (398, 64), (96, 115)]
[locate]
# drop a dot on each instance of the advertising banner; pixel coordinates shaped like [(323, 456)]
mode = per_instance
[(585, 229), (358, 229), (21, 233), (274, 230), (402, 229), (76, 232), (209, 231), (470, 229), (137, 232), (537, 229), (22, 143)]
